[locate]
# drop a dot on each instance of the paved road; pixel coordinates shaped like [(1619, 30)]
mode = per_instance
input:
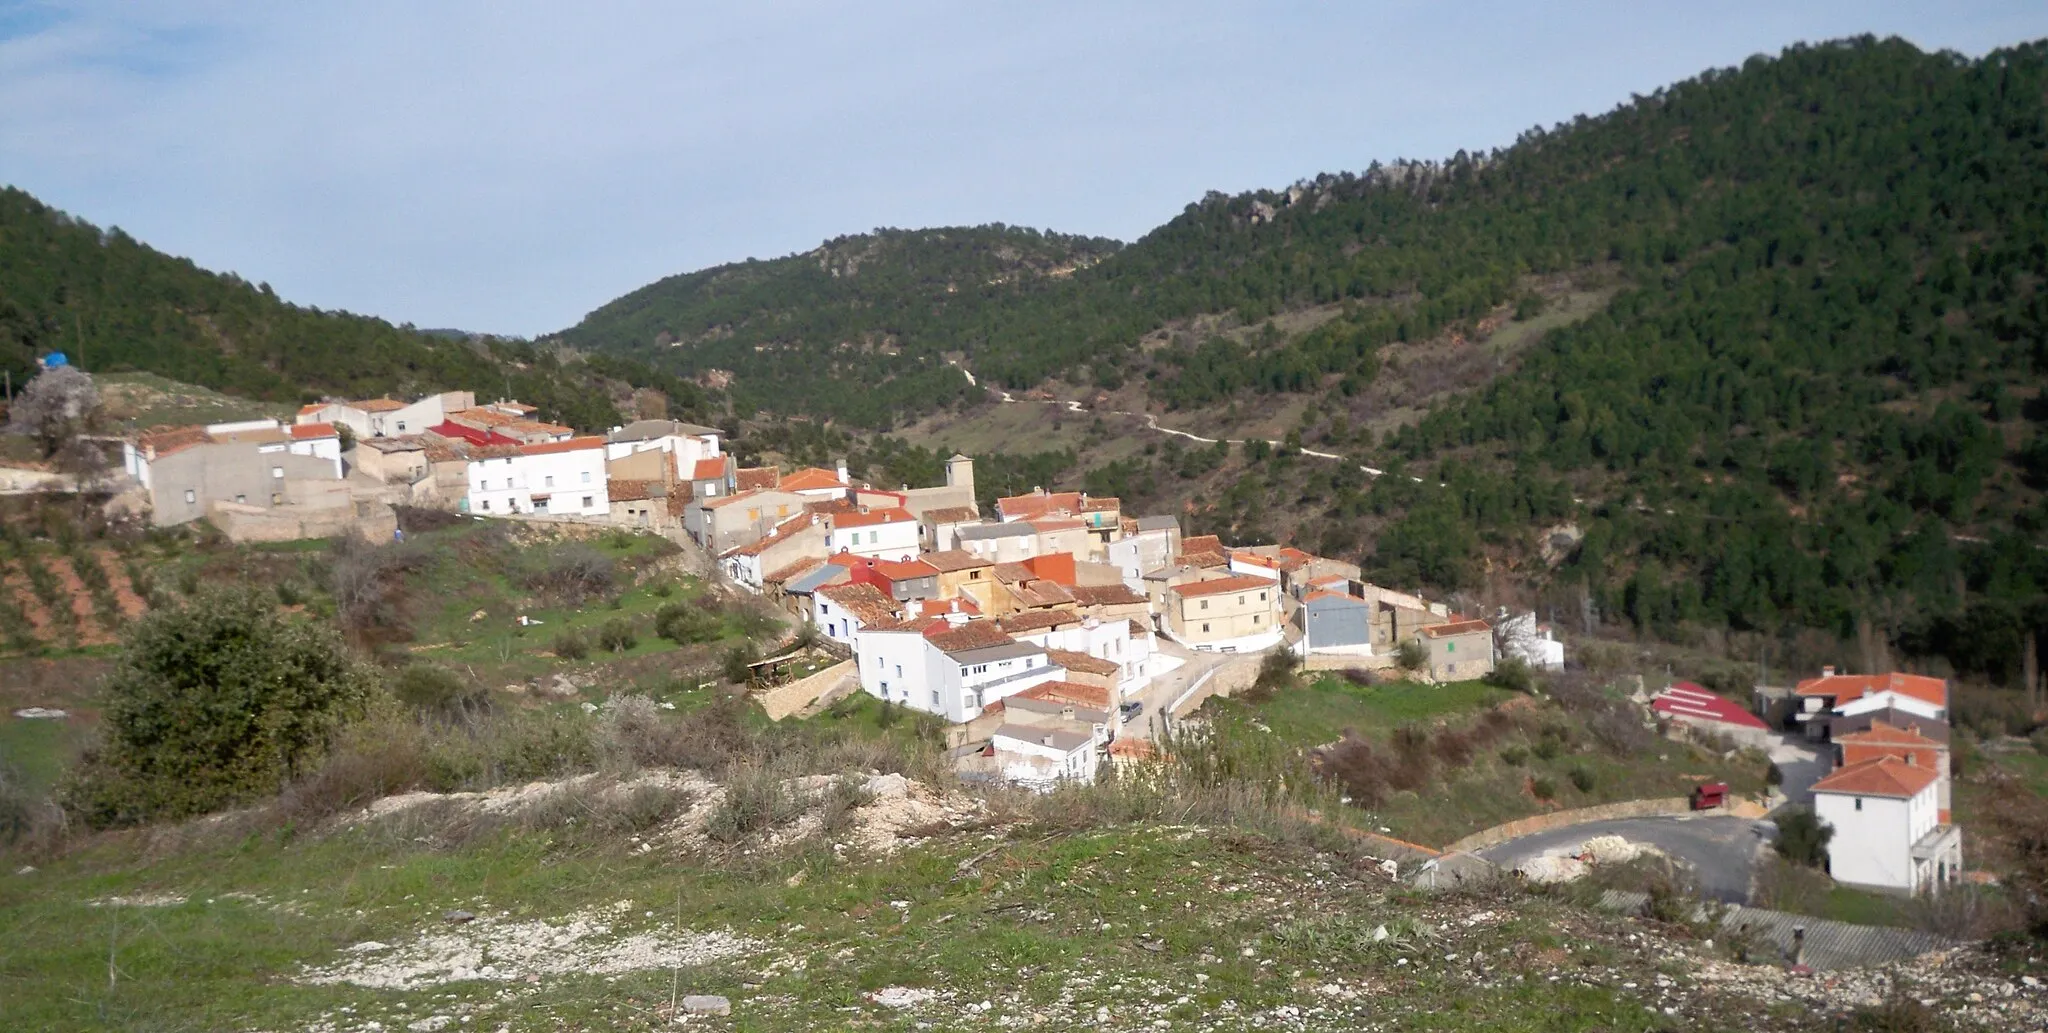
[(1802, 763), (1167, 687), (1722, 851)]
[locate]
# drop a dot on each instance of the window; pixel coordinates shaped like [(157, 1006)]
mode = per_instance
[(935, 698), (1240, 600), (1205, 629), (191, 497), (549, 480), (1859, 803), (587, 500), (1262, 597), (401, 426), (899, 670), (487, 505), (586, 476), (277, 473), (1450, 647), (1205, 604), (963, 672), (241, 498), (1258, 619)]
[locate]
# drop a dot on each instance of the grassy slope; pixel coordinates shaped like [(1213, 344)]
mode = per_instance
[(1050, 931)]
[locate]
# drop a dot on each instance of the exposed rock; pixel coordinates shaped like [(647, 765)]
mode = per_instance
[(706, 1004)]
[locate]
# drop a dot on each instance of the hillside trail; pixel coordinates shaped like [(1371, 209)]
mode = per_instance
[(1152, 423)]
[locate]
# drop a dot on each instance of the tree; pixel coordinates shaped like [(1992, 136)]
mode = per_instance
[(213, 702), (56, 407), (1410, 655), (1803, 837)]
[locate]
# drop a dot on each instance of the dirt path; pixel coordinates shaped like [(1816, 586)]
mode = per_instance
[(25, 597), (132, 605), (91, 632)]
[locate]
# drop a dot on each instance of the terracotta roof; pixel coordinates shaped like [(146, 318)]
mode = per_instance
[(518, 407), (941, 607), (1846, 688), (630, 490), (868, 519), (811, 479), (1882, 734), (443, 453), (1324, 593), (1202, 543), (752, 478), (1222, 585), (457, 432), (1100, 505), (863, 600), (1094, 697), (1082, 662), (708, 470), (536, 426), (1684, 699), (1458, 627), (308, 410), (1040, 593), (903, 570), (1885, 776), (379, 405), (543, 448), (954, 560), (952, 515), (780, 533), (409, 443), (1134, 749), (486, 417), (1037, 620), (167, 440), (313, 431), (1039, 503), (795, 570), (1106, 595), (1283, 559), (972, 635)]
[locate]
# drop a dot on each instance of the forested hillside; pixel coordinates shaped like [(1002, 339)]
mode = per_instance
[(113, 303), (1813, 397)]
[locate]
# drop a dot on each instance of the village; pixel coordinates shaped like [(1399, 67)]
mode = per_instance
[(1053, 636)]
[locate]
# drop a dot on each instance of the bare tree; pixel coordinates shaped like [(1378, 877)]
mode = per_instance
[(56, 407)]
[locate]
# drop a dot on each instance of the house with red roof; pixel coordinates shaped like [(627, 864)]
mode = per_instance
[(889, 533), (1889, 831), (544, 478), (387, 417), (1693, 706), (1232, 614), (1459, 649), (259, 464), (1825, 700)]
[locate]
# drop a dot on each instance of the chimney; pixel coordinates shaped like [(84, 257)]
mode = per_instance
[(1828, 671)]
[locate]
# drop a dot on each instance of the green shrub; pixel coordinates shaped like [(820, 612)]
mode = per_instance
[(1514, 756), (617, 635), (1803, 837), (735, 666), (756, 799), (1411, 656), (570, 645), (1543, 788), (1513, 674), (1582, 778), (662, 589), (1547, 748), (211, 703), (437, 690), (684, 623)]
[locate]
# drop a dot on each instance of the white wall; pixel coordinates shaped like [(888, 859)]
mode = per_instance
[(687, 449), (1873, 846), (1031, 763), (899, 667), (320, 448), (891, 541), (836, 621), (498, 487), (1888, 698)]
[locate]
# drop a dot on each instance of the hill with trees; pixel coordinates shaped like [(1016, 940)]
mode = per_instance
[(113, 303), (1811, 395)]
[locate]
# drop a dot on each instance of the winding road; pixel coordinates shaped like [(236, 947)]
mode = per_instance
[(1721, 851)]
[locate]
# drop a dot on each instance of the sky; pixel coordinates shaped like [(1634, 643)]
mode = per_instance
[(506, 167)]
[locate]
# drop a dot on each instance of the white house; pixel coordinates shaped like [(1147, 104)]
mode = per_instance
[(387, 417), (1833, 695), (1527, 640), (688, 442), (1042, 756), (1888, 832), (1111, 640), (884, 534), (553, 478), (819, 485), (842, 612), (946, 669), (318, 440)]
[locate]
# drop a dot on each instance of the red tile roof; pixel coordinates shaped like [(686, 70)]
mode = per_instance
[(543, 448), (708, 470), (1082, 662), (873, 517), (1882, 734), (308, 410), (811, 479), (313, 431), (896, 570), (1100, 505), (951, 560), (1885, 776), (1457, 627), (863, 600), (1037, 620), (1847, 688), (1095, 697), (750, 478), (1038, 504), (1106, 595), (1222, 585), (378, 405), (619, 490), (795, 570), (458, 432), (952, 515), (780, 533), (972, 635), (1684, 699), (169, 440)]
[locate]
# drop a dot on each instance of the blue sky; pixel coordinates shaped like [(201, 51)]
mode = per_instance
[(507, 167)]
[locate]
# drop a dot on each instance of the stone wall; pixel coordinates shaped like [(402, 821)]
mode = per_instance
[(1346, 662), (785, 700)]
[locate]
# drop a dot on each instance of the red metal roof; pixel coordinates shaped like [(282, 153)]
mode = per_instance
[(1684, 699)]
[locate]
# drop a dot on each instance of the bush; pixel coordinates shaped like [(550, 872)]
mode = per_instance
[(684, 623), (617, 635), (1513, 674), (1547, 747), (573, 573), (1582, 778), (1514, 756), (735, 666), (438, 691), (1411, 656), (570, 645), (1803, 837), (1543, 788), (756, 799), (211, 703)]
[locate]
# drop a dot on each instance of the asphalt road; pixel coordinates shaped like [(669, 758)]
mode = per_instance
[(1722, 851)]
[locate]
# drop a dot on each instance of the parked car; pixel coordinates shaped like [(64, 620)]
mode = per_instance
[(1132, 709)]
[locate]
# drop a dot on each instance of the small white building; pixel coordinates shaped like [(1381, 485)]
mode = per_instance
[(883, 534), (388, 417), (1888, 832), (551, 478), (1040, 757), (947, 669), (688, 442), (842, 612), (1524, 638)]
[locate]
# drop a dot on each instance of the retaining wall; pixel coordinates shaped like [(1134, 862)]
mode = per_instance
[(784, 700), (1346, 662)]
